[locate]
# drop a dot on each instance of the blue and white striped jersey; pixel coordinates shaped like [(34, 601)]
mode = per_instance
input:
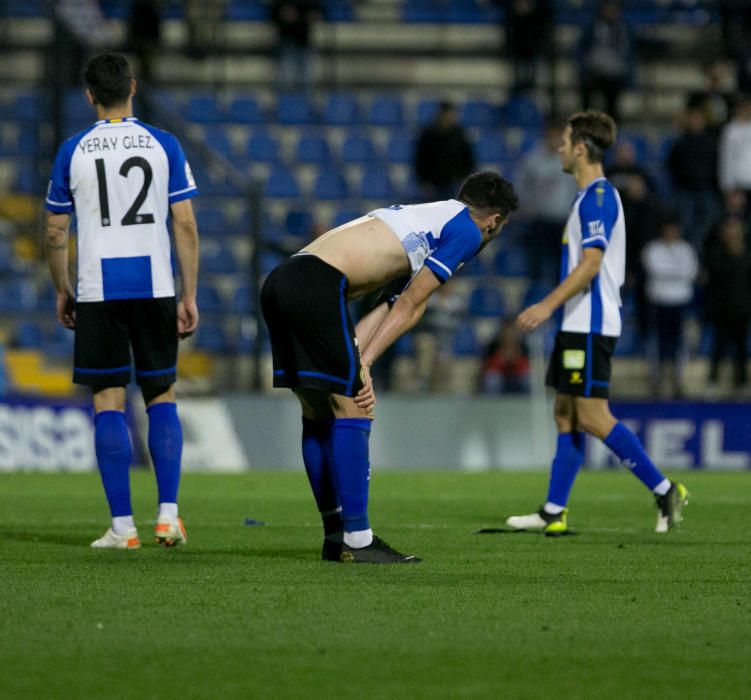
[(438, 235), (119, 177), (596, 221)]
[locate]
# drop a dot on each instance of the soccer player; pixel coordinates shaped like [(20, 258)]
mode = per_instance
[(122, 178), (592, 272), (326, 362)]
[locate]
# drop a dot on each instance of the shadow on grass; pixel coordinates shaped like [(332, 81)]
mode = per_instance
[(36, 536)]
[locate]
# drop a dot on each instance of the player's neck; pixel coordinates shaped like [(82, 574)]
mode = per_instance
[(587, 173), (117, 112)]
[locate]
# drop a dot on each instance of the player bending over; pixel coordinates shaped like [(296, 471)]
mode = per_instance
[(122, 178), (318, 354), (592, 272)]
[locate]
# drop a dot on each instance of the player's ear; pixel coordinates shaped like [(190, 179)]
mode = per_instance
[(90, 97), (133, 87)]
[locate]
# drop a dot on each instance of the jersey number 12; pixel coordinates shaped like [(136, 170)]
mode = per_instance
[(132, 217)]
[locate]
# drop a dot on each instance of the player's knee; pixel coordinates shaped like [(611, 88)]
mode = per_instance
[(156, 394)]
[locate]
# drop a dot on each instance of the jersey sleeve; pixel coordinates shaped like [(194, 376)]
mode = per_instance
[(597, 214), (459, 241), (59, 197), (181, 182)]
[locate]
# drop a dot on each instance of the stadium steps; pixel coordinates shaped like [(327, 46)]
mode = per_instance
[(29, 374)]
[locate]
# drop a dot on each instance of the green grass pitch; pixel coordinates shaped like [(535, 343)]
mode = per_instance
[(251, 612)]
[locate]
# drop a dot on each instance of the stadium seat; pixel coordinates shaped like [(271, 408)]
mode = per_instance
[(209, 300), (281, 183), (299, 223), (211, 337), (535, 292), (270, 260), (244, 110), (474, 267), (479, 113), (216, 137), (330, 184), (244, 11), (400, 148), (427, 111), (521, 111), (263, 148), (294, 109), (202, 109), (341, 109), (511, 262), (376, 184), (342, 216), (386, 110), (29, 334), (405, 345), (217, 259), (18, 296), (491, 148), (61, 343), (242, 300), (27, 107), (313, 149), (486, 302), (212, 221), (464, 343), (358, 148), (76, 109)]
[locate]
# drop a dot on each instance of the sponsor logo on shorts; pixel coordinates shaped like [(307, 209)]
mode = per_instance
[(576, 378), (574, 359)]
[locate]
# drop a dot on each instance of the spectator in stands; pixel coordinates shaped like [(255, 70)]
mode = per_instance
[(505, 364), (605, 57), (443, 155), (528, 27), (204, 23), (692, 164), (714, 100), (642, 210), (735, 151), (294, 20), (144, 34), (727, 262), (671, 266), (540, 172)]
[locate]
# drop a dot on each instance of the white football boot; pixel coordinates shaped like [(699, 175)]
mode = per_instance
[(110, 540), (170, 532)]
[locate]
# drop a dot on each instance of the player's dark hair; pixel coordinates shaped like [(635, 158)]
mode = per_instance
[(109, 78), (489, 193), (596, 130)]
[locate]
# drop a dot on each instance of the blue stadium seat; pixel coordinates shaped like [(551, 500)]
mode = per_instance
[(464, 343), (486, 302), (209, 300), (28, 107), (216, 137), (212, 221), (61, 343), (338, 10), (511, 262), (341, 109), (427, 110), (330, 184), (245, 110), (342, 216), (263, 148), (299, 223), (203, 109), (313, 149), (358, 148), (242, 301), (405, 345), (212, 338), (28, 180), (386, 110), (376, 184), (521, 111), (244, 11), (479, 113), (29, 334), (281, 183), (535, 292), (270, 260), (400, 148), (294, 109), (491, 148), (217, 259), (18, 296), (474, 267)]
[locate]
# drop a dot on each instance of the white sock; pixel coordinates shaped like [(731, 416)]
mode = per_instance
[(553, 508), (169, 510), (662, 488), (358, 539), (122, 523)]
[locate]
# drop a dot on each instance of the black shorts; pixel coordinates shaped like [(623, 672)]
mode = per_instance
[(580, 364), (107, 330), (313, 342)]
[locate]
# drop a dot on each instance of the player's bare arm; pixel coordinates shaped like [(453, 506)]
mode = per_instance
[(186, 246), (536, 314), (56, 246), (368, 324)]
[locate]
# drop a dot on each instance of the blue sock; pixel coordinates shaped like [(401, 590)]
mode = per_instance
[(569, 457), (630, 451), (351, 470), (166, 448), (113, 453), (315, 454)]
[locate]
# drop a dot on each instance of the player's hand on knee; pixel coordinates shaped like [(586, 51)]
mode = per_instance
[(365, 398)]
